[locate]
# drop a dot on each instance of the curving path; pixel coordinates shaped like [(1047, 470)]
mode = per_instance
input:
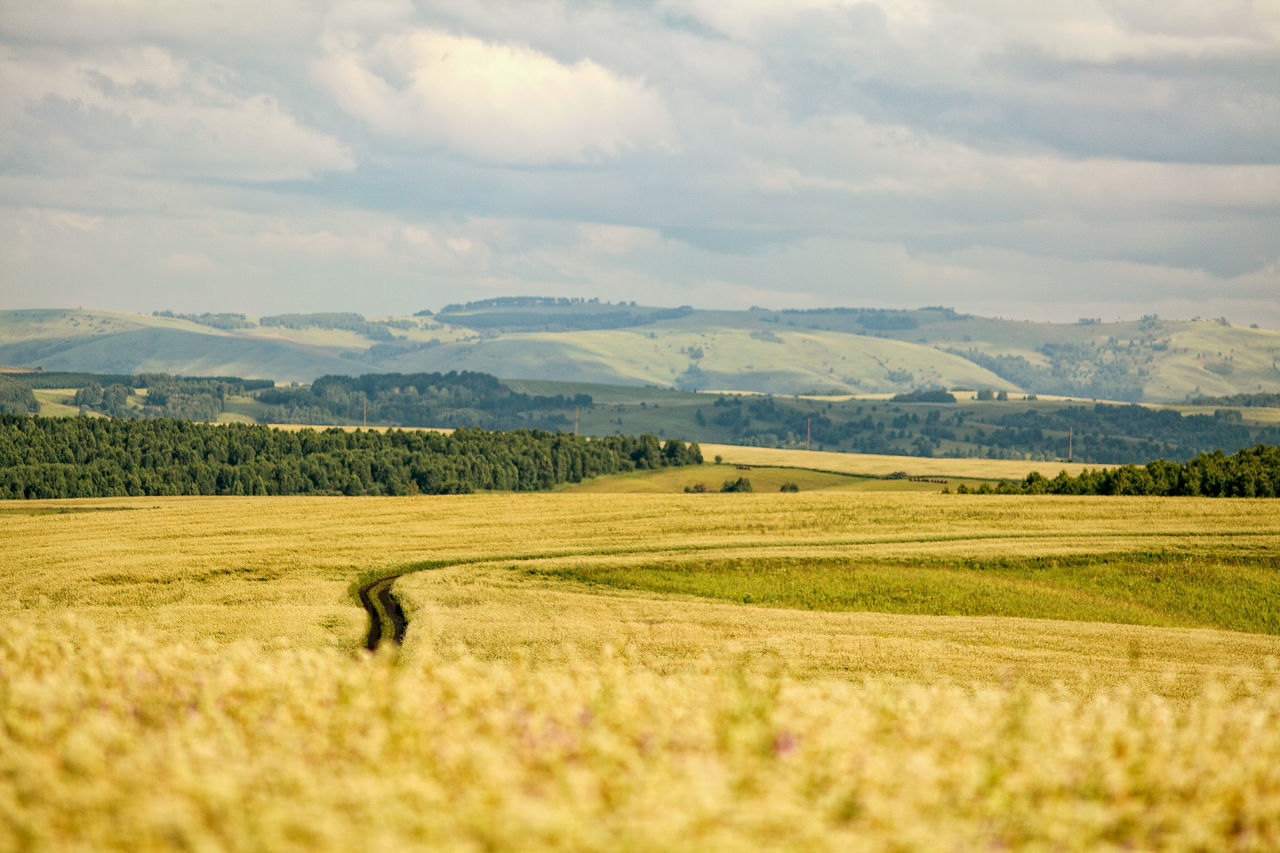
[(386, 616)]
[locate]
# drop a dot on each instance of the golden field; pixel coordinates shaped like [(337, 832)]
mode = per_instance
[(183, 673), (878, 465)]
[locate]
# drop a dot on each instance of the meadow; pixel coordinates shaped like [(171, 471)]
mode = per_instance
[(820, 670)]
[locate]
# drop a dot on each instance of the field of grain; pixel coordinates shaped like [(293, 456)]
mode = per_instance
[(582, 671), (712, 478), (877, 465)]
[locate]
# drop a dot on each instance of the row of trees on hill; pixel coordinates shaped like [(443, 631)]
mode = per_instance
[(1269, 399), (222, 320), (379, 331), (1254, 472), (418, 399), (99, 457)]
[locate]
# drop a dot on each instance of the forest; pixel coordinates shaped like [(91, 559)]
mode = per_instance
[(418, 399), (100, 457), (1249, 473), (924, 424)]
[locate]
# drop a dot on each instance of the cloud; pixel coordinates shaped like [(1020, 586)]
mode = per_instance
[(982, 153), (615, 239), (187, 261), (501, 103), (141, 111)]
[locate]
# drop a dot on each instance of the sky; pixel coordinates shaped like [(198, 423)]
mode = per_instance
[(1044, 161)]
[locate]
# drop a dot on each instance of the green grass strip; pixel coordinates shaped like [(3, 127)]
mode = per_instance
[(1172, 590)]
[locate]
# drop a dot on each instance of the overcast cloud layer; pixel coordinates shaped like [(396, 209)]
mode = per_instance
[(1050, 161)]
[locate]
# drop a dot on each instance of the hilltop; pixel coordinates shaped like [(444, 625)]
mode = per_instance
[(836, 351)]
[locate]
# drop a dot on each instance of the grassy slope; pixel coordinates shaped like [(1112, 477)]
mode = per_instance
[(56, 402), (178, 351), (783, 357), (731, 358), (1242, 359)]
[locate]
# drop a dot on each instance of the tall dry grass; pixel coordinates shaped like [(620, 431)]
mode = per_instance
[(182, 674), (114, 740)]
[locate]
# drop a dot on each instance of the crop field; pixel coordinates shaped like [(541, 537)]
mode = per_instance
[(829, 669), (879, 465)]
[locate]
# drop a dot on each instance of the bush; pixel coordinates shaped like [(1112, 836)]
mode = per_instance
[(788, 487), (742, 484)]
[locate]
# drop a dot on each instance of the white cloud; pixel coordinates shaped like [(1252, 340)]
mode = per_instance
[(187, 261), (142, 111), (986, 153), (87, 24), (598, 239), (502, 103)]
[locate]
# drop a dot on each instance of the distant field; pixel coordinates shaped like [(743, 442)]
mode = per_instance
[(54, 402), (712, 477), (762, 478), (639, 671), (878, 466)]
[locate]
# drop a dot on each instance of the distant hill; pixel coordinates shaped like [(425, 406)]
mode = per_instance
[(827, 351)]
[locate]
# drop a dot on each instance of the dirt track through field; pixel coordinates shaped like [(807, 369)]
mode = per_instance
[(386, 616)]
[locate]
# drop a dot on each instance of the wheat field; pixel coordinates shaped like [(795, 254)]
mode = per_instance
[(186, 673), (879, 465)]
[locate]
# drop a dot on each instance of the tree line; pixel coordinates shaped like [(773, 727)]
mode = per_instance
[(1249, 473), (100, 457), (910, 424), (450, 399), (351, 322)]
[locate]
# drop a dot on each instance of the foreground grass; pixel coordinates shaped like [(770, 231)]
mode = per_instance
[(112, 740), (182, 674)]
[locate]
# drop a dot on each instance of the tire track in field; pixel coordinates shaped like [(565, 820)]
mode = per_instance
[(387, 619), (386, 616)]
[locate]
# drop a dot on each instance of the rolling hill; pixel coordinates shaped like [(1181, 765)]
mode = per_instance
[(837, 351)]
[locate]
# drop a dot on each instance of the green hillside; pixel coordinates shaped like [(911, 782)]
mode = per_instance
[(126, 343), (835, 351)]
